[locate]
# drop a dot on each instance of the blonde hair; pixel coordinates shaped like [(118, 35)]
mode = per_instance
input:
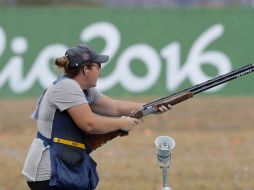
[(63, 63)]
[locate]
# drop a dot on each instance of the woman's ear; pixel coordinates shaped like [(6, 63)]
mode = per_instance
[(85, 70)]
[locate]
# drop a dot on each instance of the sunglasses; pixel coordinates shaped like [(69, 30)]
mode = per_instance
[(98, 65)]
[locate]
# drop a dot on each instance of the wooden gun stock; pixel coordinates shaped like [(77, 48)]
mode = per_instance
[(95, 141)]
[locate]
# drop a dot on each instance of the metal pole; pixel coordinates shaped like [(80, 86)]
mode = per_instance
[(165, 178)]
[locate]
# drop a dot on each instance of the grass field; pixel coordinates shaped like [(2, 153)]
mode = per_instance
[(214, 147)]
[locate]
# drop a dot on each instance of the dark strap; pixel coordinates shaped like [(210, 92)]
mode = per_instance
[(60, 78), (45, 140)]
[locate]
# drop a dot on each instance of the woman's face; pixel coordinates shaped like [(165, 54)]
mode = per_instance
[(93, 74)]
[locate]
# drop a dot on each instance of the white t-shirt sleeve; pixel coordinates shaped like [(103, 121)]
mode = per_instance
[(95, 94), (66, 94)]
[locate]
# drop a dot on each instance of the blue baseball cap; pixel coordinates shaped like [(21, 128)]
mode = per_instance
[(82, 54)]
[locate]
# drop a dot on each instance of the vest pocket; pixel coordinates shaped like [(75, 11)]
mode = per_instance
[(72, 177), (68, 154), (72, 168)]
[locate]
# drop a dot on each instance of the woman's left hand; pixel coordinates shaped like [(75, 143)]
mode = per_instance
[(163, 109)]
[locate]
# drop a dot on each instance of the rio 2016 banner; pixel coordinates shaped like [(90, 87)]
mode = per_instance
[(153, 52)]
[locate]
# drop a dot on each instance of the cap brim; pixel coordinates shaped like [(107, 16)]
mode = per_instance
[(101, 58)]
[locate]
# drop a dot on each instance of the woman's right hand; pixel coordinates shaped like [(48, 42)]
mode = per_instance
[(129, 123)]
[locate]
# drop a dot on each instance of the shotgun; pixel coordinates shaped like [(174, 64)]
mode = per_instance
[(94, 141)]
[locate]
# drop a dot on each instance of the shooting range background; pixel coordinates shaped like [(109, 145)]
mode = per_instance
[(213, 131)]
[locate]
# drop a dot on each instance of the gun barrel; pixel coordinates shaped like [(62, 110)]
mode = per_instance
[(222, 79), (210, 83)]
